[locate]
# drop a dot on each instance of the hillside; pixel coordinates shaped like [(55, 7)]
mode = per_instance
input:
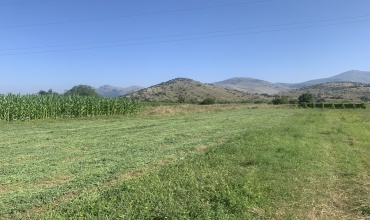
[(182, 89), (349, 76), (113, 91), (334, 91), (250, 85)]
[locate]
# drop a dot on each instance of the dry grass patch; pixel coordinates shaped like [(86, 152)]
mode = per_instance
[(193, 108)]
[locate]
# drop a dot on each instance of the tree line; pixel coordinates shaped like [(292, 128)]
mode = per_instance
[(306, 100), (80, 90)]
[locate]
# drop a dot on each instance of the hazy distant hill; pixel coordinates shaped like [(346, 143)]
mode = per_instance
[(334, 91), (112, 91), (190, 90), (250, 85), (260, 86), (349, 76), (232, 90)]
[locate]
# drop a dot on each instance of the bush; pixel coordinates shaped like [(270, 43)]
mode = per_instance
[(280, 100), (306, 97), (333, 105), (207, 101), (329, 105)]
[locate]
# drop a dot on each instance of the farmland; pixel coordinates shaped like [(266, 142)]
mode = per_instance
[(189, 162), (29, 107)]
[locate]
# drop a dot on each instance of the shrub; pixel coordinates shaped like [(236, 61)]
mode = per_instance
[(207, 101), (329, 105), (280, 100), (306, 97)]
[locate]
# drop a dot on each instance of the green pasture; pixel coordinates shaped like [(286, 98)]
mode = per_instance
[(237, 163)]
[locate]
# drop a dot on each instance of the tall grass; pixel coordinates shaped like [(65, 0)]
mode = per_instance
[(29, 107)]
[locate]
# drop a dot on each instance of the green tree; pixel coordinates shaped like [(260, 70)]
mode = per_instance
[(49, 92), (280, 100), (305, 98), (82, 90)]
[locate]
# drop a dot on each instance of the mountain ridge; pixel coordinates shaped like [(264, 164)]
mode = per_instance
[(252, 85), (348, 76), (240, 84)]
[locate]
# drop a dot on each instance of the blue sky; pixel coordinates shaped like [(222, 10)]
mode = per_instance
[(56, 44)]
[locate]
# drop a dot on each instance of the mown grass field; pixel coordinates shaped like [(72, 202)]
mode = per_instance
[(189, 162)]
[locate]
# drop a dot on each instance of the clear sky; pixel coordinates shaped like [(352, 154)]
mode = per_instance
[(56, 44)]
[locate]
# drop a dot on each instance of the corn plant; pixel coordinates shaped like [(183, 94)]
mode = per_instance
[(30, 107)]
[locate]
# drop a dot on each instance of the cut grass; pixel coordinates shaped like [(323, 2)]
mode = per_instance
[(44, 160), (235, 164)]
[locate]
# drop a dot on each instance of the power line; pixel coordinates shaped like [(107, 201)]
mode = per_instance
[(185, 39), (189, 34), (134, 15)]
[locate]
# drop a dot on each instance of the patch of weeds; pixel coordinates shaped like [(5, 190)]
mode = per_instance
[(365, 210)]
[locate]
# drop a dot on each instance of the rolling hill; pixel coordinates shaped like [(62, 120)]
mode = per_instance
[(334, 91), (183, 89), (240, 89)]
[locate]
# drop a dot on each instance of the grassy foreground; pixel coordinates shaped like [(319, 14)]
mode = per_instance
[(235, 164)]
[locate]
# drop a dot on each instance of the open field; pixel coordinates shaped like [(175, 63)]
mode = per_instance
[(181, 162)]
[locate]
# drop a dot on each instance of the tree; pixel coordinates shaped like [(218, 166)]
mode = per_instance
[(305, 98), (280, 100), (82, 90), (49, 92)]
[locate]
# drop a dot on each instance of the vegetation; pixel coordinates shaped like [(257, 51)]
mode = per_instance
[(49, 92), (280, 100), (181, 90), (196, 165), (82, 90), (30, 107), (305, 98), (208, 101), (333, 105), (334, 92)]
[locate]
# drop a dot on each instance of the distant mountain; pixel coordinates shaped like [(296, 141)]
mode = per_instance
[(182, 89), (349, 76), (112, 91), (334, 91), (250, 85), (260, 86), (231, 90)]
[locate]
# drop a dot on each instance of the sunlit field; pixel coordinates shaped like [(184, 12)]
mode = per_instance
[(189, 162)]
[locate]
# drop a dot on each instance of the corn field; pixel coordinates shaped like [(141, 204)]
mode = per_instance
[(30, 107)]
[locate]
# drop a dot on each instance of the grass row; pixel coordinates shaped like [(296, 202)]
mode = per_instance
[(296, 168), (44, 160)]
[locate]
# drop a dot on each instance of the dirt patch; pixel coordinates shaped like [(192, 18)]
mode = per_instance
[(202, 148)]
